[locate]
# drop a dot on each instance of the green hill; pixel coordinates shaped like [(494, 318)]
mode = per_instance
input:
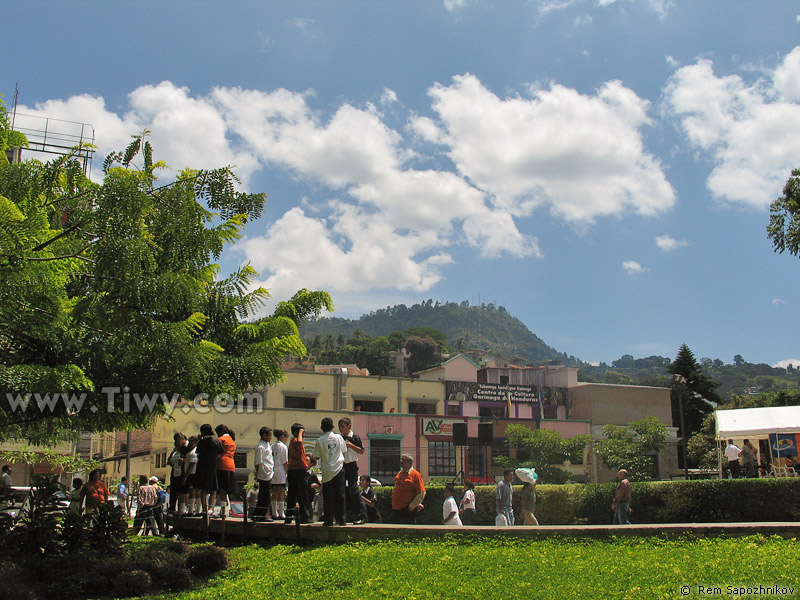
[(466, 327)]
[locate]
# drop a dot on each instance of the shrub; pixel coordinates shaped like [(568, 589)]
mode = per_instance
[(207, 560), (707, 501), (108, 528), (131, 583)]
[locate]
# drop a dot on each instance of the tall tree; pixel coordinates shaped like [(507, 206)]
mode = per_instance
[(110, 295), (424, 353), (784, 217), (694, 388)]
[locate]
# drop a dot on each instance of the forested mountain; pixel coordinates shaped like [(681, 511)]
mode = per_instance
[(484, 327), (740, 377), (495, 331)]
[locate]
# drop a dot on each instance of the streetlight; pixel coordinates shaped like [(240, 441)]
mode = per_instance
[(679, 380)]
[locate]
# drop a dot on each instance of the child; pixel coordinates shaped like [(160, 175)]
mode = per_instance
[(450, 508), (370, 499)]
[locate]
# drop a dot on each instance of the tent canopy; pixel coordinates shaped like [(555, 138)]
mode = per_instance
[(744, 422)]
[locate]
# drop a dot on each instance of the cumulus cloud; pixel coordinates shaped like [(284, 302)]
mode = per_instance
[(783, 364), (667, 243), (375, 221), (631, 267), (581, 156), (750, 130)]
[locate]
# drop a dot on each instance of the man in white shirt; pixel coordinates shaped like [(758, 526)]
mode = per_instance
[(329, 449), (264, 471), (732, 452)]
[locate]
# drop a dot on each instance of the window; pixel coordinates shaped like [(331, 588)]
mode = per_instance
[(441, 459), (475, 457), (161, 460), (503, 379), (492, 412), (421, 408), (453, 410), (384, 458), (240, 460), (305, 402), (368, 405)]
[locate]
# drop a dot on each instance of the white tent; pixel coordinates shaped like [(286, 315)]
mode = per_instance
[(757, 422)]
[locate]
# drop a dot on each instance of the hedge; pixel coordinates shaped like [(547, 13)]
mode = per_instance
[(702, 501)]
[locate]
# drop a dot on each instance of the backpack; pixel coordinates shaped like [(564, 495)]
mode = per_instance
[(161, 496)]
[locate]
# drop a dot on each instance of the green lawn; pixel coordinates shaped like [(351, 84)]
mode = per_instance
[(497, 568)]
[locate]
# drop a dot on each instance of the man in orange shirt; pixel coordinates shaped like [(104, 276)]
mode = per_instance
[(409, 492)]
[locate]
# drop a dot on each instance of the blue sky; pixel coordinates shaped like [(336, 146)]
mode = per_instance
[(603, 169)]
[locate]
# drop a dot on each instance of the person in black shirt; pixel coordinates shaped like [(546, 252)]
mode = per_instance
[(370, 499)]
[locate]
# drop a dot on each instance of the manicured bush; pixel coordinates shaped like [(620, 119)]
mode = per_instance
[(207, 560), (705, 501)]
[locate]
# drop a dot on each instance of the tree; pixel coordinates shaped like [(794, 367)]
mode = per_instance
[(424, 353), (631, 446), (543, 448), (111, 306), (694, 389), (784, 217)]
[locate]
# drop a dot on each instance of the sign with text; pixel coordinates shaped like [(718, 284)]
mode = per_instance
[(461, 391), (438, 426)]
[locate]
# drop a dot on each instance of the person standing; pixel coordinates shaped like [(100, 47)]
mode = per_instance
[(264, 471), (528, 501), (450, 508), (408, 493), (329, 449), (209, 449), (749, 459), (297, 468), (176, 460), (144, 511), (191, 492), (280, 458), (226, 470), (5, 479), (467, 508), (95, 492), (622, 499), (505, 497), (355, 447), (732, 452), (122, 495), (370, 499)]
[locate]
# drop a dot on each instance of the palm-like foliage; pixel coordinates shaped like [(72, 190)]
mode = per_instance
[(113, 287)]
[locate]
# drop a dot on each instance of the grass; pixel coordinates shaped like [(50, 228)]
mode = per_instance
[(498, 568)]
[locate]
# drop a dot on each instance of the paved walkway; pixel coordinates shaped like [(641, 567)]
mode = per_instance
[(236, 530)]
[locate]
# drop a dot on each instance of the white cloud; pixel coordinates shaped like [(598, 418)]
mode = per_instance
[(795, 362), (581, 156), (453, 5), (778, 301), (667, 243), (388, 96), (374, 222), (751, 131), (631, 267)]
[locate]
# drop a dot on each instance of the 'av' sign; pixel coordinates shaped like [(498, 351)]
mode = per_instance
[(438, 426)]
